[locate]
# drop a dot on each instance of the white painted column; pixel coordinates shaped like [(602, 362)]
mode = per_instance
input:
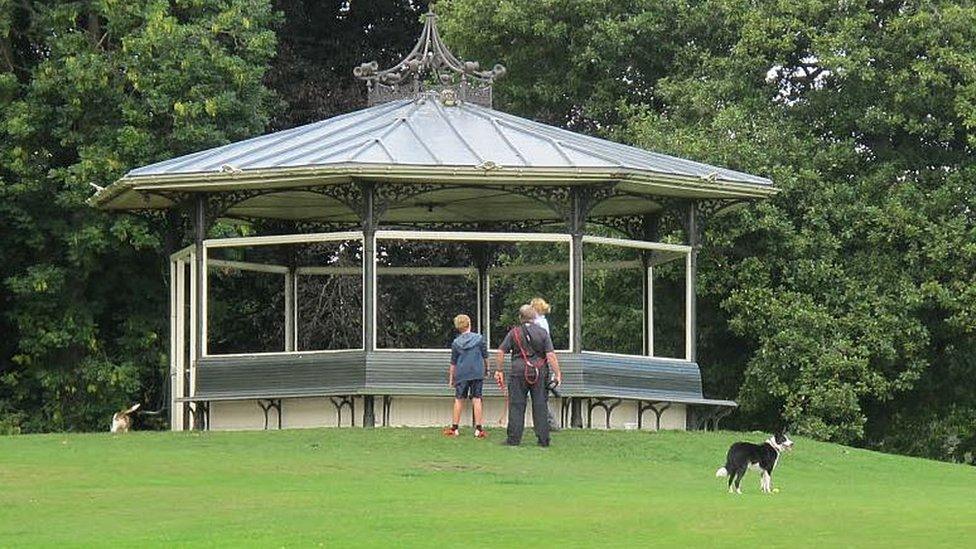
[(689, 308), (649, 319), (290, 310), (194, 320)]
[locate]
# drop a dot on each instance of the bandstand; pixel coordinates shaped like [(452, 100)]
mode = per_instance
[(428, 164)]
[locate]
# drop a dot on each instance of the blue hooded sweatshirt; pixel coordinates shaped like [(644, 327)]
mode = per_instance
[(468, 352)]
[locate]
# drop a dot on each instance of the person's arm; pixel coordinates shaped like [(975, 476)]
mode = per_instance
[(484, 354), (455, 356), (499, 364), (551, 358), (503, 349), (554, 364)]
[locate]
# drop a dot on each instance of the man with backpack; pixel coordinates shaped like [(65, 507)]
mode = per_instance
[(532, 357)]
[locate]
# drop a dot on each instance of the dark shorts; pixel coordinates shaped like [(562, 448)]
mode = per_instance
[(468, 389)]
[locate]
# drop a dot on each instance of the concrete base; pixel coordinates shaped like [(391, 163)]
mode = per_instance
[(311, 412)]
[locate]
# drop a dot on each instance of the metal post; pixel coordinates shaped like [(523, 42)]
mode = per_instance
[(179, 410), (190, 359), (650, 233), (481, 254), (577, 218), (199, 234), (648, 286), (369, 414), (369, 268), (576, 407), (290, 309), (576, 275), (483, 298), (369, 287), (174, 359), (691, 305)]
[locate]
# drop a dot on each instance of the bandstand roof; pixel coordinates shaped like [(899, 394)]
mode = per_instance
[(480, 159)]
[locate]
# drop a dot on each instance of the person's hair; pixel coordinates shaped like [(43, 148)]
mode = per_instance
[(540, 305), (527, 313), (462, 321)]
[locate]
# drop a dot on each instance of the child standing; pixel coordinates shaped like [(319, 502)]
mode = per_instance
[(542, 308), (469, 365)]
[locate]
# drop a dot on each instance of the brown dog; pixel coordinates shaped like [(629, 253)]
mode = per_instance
[(121, 421)]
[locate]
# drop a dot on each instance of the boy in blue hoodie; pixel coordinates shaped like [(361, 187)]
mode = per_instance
[(469, 366)]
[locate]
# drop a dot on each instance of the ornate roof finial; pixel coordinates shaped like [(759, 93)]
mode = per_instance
[(429, 66)]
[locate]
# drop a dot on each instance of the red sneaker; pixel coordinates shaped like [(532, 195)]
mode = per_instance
[(480, 433), (451, 432)]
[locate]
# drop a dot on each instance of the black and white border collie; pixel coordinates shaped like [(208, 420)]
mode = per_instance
[(743, 455)]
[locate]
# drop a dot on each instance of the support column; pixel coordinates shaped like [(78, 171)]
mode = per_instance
[(369, 413), (650, 233), (576, 222), (577, 218), (182, 314), (484, 295), (369, 267), (576, 413), (647, 281), (370, 222), (290, 310), (174, 360), (482, 255), (199, 234), (691, 304)]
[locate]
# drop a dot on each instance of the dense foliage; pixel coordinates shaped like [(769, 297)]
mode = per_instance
[(90, 89), (845, 306)]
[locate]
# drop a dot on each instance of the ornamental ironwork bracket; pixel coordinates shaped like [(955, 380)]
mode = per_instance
[(266, 407), (657, 407), (387, 408), (342, 402), (430, 66), (635, 226), (706, 417), (200, 410), (219, 203), (608, 405)]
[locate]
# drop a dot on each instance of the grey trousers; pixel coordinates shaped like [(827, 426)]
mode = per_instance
[(518, 393)]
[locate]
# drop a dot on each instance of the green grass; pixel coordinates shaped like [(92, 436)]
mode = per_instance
[(414, 487)]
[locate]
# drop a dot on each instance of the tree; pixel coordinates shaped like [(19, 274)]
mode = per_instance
[(840, 295), (90, 89), (321, 42)]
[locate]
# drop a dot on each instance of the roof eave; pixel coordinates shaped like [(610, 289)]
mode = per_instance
[(636, 181)]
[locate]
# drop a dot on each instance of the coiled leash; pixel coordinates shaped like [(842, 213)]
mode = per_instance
[(530, 378)]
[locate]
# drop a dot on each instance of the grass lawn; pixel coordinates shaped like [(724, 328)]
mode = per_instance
[(414, 487)]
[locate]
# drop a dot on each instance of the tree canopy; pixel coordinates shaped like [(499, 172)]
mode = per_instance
[(844, 307), (91, 89)]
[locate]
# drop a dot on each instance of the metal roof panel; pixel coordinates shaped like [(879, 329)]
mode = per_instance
[(425, 132)]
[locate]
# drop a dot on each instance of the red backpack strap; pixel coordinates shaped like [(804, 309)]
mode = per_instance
[(530, 379), (517, 331)]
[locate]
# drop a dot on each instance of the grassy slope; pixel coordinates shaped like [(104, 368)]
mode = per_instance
[(415, 487)]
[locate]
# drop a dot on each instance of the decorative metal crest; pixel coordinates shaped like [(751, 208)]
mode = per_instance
[(429, 66)]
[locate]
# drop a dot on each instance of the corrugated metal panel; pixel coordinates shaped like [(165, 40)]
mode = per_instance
[(279, 375), (640, 377), (424, 132), (424, 373)]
